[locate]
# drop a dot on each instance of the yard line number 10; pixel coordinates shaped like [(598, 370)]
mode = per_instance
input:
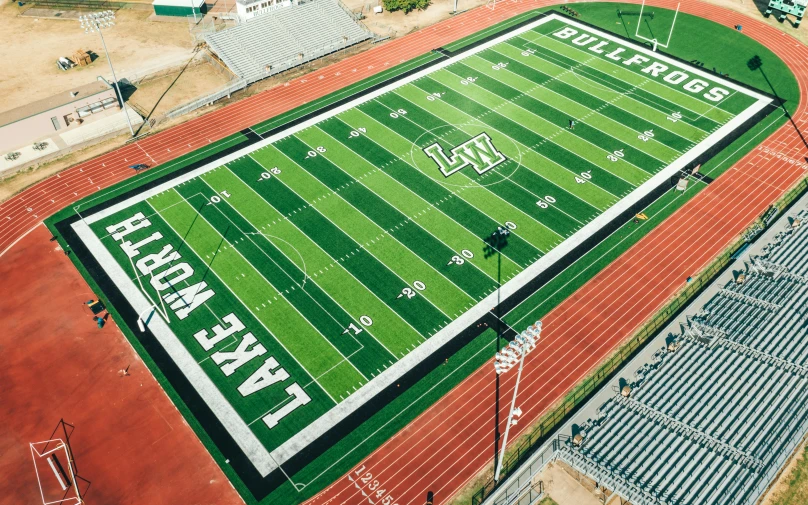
[(365, 321)]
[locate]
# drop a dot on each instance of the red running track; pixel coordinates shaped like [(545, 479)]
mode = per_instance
[(450, 443), (21, 213)]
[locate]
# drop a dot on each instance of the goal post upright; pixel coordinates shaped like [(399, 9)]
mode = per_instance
[(58, 470), (673, 24), (654, 41)]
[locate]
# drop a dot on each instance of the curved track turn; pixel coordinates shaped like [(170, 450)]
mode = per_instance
[(451, 442)]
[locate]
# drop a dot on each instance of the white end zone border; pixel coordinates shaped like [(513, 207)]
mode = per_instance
[(265, 461)]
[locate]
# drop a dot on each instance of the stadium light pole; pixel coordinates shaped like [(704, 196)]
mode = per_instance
[(493, 246), (96, 22), (521, 346)]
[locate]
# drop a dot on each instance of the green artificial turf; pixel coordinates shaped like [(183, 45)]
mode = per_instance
[(491, 91)]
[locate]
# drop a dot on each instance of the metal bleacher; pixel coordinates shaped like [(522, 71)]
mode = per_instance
[(714, 420), (285, 38)]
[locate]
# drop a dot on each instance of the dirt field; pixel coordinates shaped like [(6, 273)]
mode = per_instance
[(396, 24), (792, 486), (158, 96), (32, 45)]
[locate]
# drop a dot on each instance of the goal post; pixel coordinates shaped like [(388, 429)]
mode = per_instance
[(55, 472), (655, 41)]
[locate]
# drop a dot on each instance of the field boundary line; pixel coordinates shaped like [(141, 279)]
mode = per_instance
[(233, 247), (202, 383), (384, 232), (312, 280)]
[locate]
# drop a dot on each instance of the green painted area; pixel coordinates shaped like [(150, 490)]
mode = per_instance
[(398, 336), (252, 407), (174, 10), (305, 245), (311, 348)]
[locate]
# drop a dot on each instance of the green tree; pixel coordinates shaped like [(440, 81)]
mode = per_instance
[(405, 5)]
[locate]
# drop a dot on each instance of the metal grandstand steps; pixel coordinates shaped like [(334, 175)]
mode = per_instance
[(751, 300), (698, 436), (713, 421), (285, 38), (768, 358)]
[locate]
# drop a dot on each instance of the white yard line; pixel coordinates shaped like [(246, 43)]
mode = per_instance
[(527, 92), (313, 281), (660, 57), (412, 218), (416, 195), (453, 192), (389, 233), (246, 440), (278, 292), (335, 262), (266, 462)]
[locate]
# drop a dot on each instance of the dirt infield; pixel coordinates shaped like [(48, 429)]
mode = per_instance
[(130, 441)]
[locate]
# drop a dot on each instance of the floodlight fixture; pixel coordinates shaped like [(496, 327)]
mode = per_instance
[(522, 345), (96, 22)]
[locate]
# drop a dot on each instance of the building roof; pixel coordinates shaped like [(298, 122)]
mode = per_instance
[(179, 3), (51, 102)]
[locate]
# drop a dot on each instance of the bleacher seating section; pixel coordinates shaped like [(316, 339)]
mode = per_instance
[(714, 421), (285, 38)]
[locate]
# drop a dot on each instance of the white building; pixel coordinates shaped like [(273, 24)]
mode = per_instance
[(248, 9)]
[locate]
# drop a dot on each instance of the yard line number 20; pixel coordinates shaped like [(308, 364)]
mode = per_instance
[(408, 292)]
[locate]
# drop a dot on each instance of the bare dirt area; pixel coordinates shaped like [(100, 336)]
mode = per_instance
[(791, 488), (31, 46), (560, 484), (396, 24), (160, 95)]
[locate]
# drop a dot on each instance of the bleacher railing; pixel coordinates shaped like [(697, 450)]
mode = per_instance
[(224, 92), (551, 421)]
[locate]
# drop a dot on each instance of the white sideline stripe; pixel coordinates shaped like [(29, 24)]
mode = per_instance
[(227, 415), (266, 462)]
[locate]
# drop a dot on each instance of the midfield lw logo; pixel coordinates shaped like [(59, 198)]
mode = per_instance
[(479, 152)]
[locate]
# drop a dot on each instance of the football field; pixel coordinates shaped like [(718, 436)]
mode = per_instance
[(295, 280)]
